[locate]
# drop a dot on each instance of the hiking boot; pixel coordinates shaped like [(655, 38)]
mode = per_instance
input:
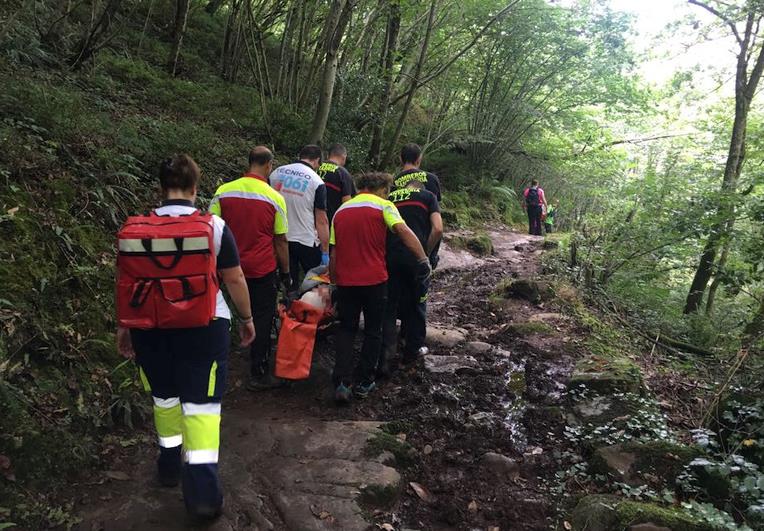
[(363, 390), (264, 383), (343, 394)]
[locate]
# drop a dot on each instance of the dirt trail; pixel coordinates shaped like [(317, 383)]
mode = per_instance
[(292, 460)]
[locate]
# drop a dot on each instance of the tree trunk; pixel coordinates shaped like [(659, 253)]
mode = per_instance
[(719, 270), (337, 21), (286, 38), (745, 89), (725, 210), (296, 65), (388, 60), (414, 81), (179, 30)]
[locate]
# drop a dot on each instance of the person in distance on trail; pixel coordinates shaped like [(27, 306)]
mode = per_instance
[(551, 215), (305, 196), (339, 183), (257, 216), (357, 267), (534, 203), (411, 160), (183, 368), (420, 210)]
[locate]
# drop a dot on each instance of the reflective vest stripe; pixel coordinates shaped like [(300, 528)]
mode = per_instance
[(237, 194), (164, 245)]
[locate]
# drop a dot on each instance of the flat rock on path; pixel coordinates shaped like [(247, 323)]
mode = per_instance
[(313, 472), (444, 337), (449, 364)]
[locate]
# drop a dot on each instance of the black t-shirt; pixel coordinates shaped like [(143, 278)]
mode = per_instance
[(415, 207), (430, 180), (338, 183)]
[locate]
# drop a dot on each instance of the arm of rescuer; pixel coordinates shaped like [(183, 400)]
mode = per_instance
[(233, 278), (436, 232), (322, 222), (348, 188), (281, 244)]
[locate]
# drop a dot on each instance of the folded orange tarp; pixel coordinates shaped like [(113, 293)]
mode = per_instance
[(297, 338)]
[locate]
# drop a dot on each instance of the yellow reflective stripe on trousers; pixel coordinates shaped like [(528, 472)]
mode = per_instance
[(144, 380), (201, 429), (213, 379), (168, 418)]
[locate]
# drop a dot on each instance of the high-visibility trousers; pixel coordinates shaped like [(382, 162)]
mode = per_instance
[(185, 370)]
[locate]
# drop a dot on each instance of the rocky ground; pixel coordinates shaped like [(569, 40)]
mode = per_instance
[(477, 436)]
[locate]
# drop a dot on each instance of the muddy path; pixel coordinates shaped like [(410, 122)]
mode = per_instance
[(476, 427)]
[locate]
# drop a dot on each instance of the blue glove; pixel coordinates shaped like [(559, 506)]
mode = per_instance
[(324, 259)]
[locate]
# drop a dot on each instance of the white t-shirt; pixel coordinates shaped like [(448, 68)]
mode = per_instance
[(303, 191), (221, 308)]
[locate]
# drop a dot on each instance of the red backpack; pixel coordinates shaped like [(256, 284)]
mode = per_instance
[(166, 271)]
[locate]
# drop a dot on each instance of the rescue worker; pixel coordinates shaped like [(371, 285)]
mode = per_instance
[(339, 183), (534, 203), (305, 196), (257, 216), (358, 269), (185, 368), (411, 160), (420, 210)]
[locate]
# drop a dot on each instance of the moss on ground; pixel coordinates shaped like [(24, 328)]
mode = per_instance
[(607, 374), (405, 455), (609, 513), (379, 496), (660, 459), (479, 243), (529, 328)]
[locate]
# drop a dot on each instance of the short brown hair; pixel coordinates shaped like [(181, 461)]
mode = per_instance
[(260, 156), (411, 153), (374, 181), (310, 152), (179, 173)]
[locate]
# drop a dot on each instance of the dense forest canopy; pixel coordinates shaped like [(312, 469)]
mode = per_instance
[(660, 177)]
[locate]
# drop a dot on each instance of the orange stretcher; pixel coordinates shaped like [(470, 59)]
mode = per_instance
[(297, 337)]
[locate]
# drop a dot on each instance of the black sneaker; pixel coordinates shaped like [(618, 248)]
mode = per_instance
[(342, 394), (363, 390)]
